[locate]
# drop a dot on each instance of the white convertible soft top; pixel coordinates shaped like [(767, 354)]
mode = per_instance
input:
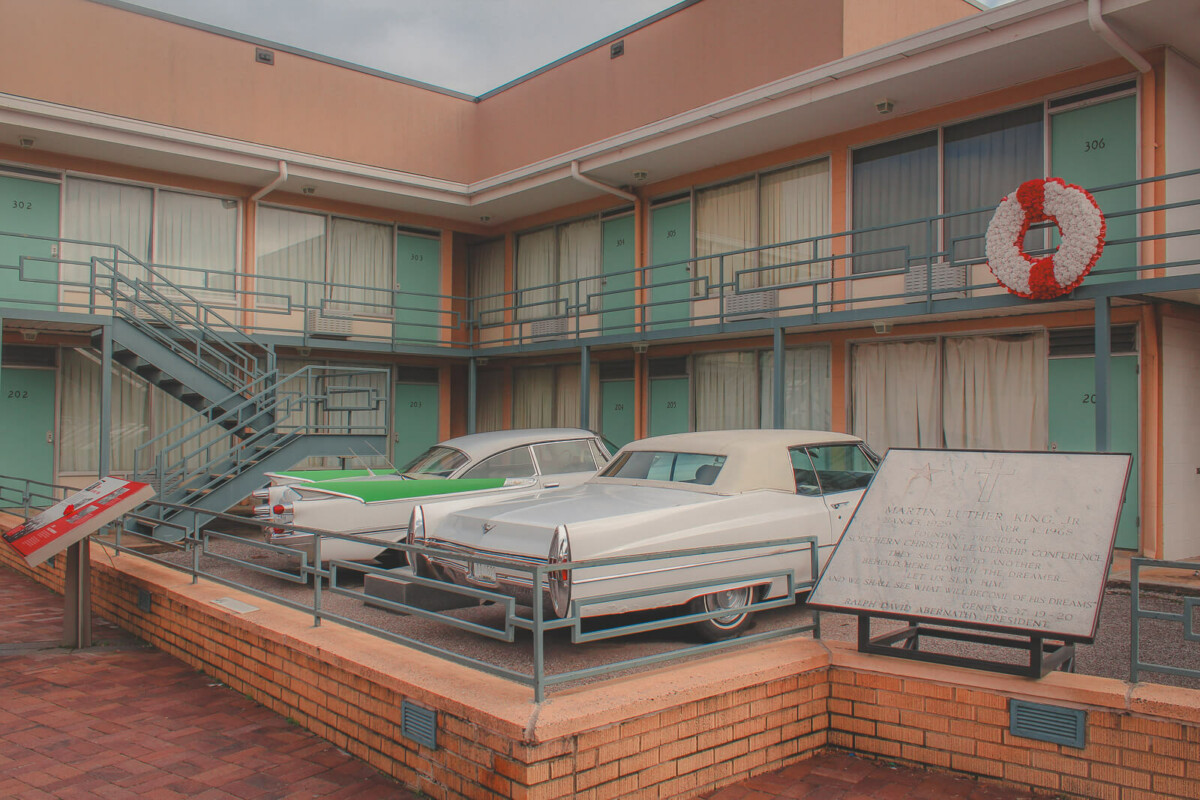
[(755, 459)]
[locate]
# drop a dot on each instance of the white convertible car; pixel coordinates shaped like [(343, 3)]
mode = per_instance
[(719, 489), (481, 466)]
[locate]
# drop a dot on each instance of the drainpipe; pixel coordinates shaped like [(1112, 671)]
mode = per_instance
[(273, 185), (595, 184), (1102, 29)]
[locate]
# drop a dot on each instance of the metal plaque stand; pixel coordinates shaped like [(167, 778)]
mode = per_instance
[(1044, 656), (77, 596)]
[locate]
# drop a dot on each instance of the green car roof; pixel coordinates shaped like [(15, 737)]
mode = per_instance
[(316, 475), (375, 491)]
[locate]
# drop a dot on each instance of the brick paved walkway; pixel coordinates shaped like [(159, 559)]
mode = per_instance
[(122, 719), (125, 720)]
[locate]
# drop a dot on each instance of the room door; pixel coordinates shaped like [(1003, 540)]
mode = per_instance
[(26, 428), (669, 406), (670, 287), (418, 288), (29, 207), (616, 414), (618, 291), (416, 421)]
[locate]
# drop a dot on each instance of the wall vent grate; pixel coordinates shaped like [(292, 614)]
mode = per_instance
[(418, 724), (1045, 723)]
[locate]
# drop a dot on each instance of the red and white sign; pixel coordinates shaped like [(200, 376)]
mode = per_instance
[(75, 518)]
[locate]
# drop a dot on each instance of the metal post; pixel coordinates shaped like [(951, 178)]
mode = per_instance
[(106, 351), (585, 385), (1103, 354), (777, 383), (472, 388)]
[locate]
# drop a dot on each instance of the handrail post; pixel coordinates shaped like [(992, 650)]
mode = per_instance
[(777, 389), (539, 637), (472, 389)]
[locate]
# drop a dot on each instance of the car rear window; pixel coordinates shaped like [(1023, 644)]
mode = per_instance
[(557, 458), (436, 462), (657, 465), (514, 463)]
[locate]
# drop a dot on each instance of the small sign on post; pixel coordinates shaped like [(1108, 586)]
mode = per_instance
[(1006, 542), (75, 518)]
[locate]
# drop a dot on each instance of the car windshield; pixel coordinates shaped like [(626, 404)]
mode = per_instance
[(436, 462), (658, 465)]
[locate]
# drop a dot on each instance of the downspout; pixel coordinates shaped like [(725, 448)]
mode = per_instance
[(604, 187), (273, 185), (1105, 32)]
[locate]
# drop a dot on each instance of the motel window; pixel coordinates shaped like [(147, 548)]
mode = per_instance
[(192, 239), (783, 207), (339, 266), (736, 390), (548, 397), (951, 171), (485, 281), (557, 267)]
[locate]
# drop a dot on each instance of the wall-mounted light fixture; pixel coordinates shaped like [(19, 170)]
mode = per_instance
[(640, 176), (26, 141), (640, 347), (883, 327), (29, 336), (303, 352), (884, 106), (485, 218), (309, 189)]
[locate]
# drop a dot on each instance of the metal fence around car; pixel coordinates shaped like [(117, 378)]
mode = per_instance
[(219, 555), (1181, 611)]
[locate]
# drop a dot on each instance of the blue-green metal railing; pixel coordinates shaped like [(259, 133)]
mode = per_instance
[(1185, 618), (200, 541), (20, 493)]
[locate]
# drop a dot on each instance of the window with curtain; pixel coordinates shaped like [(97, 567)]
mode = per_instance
[(980, 392), (361, 268), (777, 207), (567, 396), (485, 281), (79, 422), (806, 393), (556, 268), (108, 213), (984, 160), (196, 232), (726, 386), (489, 401), (533, 397), (290, 244), (893, 182)]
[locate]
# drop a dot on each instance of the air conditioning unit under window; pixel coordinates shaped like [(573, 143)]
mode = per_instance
[(752, 305), (319, 324), (945, 276), (548, 328)]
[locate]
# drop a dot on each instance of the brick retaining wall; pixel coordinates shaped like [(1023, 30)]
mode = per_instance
[(670, 732)]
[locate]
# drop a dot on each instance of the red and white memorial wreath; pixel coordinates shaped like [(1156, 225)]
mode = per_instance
[(1079, 220)]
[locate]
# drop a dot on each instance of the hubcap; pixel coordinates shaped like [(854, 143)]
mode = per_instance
[(732, 599)]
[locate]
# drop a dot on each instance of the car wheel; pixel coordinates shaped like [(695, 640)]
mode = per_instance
[(724, 626)]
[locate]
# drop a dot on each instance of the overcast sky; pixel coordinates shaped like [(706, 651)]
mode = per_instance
[(470, 46)]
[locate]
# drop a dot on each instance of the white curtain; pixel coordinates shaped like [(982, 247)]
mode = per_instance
[(107, 213), (485, 276), (80, 414), (806, 392), (290, 245), (895, 394), (536, 268), (724, 223), (726, 391), (533, 397), (793, 205), (994, 393), (200, 233), (567, 394), (579, 260), (489, 401), (360, 259)]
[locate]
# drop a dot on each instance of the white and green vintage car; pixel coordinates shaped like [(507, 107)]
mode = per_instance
[(377, 506), (658, 496)]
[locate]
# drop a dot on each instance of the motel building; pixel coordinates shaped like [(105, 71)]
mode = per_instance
[(735, 214)]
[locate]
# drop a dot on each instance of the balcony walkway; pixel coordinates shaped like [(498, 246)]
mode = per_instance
[(122, 719)]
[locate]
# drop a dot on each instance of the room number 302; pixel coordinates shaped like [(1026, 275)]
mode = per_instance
[(22, 205)]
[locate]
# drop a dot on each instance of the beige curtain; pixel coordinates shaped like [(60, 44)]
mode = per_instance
[(726, 391), (536, 268), (360, 258), (806, 381), (489, 401), (107, 213), (485, 276), (197, 232), (567, 393), (724, 223), (533, 397), (994, 393), (290, 245), (79, 424), (794, 204), (895, 394), (579, 261)]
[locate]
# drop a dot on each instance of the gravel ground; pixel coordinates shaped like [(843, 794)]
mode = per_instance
[(1161, 642)]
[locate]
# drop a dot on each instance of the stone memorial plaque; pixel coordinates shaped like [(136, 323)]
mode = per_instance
[(1000, 540)]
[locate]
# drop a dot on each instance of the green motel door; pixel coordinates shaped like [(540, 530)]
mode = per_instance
[(27, 430), (669, 407), (416, 421), (418, 289), (1097, 146), (1073, 421), (670, 286), (29, 207), (618, 265), (616, 414)]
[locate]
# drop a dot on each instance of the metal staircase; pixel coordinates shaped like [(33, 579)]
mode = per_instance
[(249, 419)]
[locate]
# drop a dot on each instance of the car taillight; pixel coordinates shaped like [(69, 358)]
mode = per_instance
[(279, 509), (560, 580)]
